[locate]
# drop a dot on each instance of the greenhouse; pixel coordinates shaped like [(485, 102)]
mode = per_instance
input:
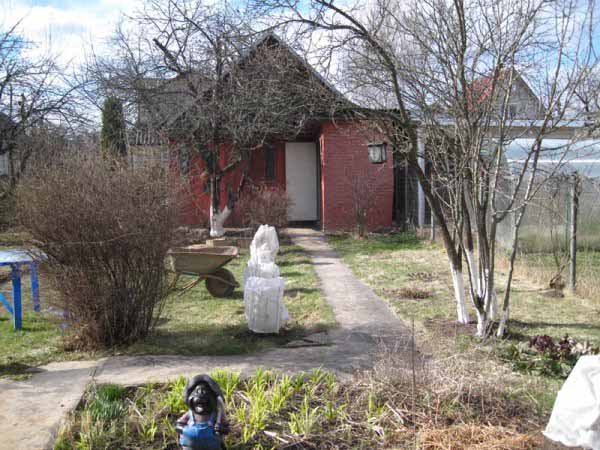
[(558, 156), (546, 227)]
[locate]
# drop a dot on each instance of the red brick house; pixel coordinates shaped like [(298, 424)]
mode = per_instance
[(325, 171), (321, 173)]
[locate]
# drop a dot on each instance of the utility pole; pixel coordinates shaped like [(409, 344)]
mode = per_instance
[(575, 191)]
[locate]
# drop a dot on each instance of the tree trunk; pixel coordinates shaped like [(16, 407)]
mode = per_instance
[(455, 256), (217, 219), (509, 277), (459, 292), (503, 320), (474, 272)]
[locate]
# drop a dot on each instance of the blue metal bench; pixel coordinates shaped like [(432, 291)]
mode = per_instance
[(15, 259)]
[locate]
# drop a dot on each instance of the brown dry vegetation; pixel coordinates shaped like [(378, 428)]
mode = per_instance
[(104, 230), (443, 404), (394, 263)]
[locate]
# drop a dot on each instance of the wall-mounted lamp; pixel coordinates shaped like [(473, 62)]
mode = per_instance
[(377, 153)]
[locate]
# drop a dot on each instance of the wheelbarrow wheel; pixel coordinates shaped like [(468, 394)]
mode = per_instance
[(221, 284)]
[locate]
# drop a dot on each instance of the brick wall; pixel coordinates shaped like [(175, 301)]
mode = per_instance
[(195, 199), (345, 174), (348, 176)]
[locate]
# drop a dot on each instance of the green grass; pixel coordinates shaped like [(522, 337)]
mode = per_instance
[(40, 339), (409, 263), (349, 247), (199, 324), (193, 324)]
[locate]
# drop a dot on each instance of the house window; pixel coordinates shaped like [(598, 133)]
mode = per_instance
[(269, 163), (512, 111)]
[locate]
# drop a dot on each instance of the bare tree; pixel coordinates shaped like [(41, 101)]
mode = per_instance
[(35, 94), (213, 87), (439, 79), (588, 93)]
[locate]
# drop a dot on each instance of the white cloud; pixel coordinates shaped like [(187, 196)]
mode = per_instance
[(65, 28)]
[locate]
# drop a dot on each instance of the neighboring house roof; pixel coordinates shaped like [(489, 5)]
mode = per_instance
[(483, 87)]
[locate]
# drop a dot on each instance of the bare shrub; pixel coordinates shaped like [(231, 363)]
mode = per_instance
[(106, 230), (263, 204), (363, 203)]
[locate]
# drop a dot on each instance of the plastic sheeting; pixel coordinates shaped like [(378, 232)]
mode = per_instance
[(264, 310), (263, 287), (265, 245), (575, 419), (261, 270)]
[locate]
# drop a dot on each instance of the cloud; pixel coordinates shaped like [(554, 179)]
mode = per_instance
[(64, 28)]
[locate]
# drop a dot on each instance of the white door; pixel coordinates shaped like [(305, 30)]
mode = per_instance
[(301, 180)]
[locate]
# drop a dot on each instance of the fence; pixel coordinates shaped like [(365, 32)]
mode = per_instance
[(561, 227)]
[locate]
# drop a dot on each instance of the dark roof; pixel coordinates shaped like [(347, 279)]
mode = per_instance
[(169, 87)]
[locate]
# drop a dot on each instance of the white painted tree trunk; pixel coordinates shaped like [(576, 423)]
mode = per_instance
[(217, 220), (459, 295), (474, 272), (481, 324), (502, 324), (494, 305)]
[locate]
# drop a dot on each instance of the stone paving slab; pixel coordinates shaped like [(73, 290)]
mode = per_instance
[(355, 305), (31, 410), (350, 353)]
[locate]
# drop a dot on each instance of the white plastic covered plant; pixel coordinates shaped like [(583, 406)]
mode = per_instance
[(263, 287), (575, 416)]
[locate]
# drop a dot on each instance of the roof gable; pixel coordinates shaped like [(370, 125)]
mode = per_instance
[(482, 87)]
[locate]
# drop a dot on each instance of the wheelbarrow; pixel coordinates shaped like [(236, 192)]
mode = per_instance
[(206, 263)]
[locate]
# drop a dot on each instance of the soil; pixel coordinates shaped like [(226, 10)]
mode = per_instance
[(449, 328)]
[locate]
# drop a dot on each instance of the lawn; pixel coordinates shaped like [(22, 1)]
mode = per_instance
[(396, 267), (199, 324), (413, 277), (399, 267), (192, 324)]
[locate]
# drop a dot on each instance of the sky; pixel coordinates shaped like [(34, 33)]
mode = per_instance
[(64, 27)]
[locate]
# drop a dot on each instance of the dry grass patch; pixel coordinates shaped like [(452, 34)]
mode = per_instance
[(424, 265), (478, 437), (409, 293)]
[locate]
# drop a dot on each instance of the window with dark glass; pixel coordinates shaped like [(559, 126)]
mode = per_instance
[(269, 163)]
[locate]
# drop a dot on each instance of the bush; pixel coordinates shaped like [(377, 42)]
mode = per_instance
[(264, 205), (106, 230)]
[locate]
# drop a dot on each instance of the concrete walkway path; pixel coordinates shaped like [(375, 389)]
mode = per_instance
[(364, 320)]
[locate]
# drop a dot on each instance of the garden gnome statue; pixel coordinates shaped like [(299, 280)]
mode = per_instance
[(203, 426), (263, 287)]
